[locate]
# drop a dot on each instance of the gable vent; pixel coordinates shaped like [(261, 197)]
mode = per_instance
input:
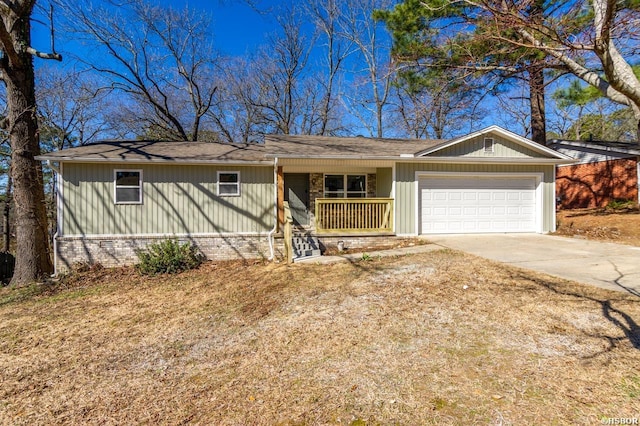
[(488, 145)]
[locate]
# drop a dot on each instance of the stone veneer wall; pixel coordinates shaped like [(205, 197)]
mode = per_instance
[(316, 190), (371, 185), (119, 251)]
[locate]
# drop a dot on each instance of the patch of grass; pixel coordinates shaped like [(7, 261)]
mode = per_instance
[(631, 386), (622, 205), (388, 341), (12, 295), (439, 403)]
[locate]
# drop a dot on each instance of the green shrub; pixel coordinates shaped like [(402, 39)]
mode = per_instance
[(620, 204), (168, 257)]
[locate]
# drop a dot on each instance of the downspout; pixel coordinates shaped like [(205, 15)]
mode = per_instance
[(270, 238), (55, 255), (58, 218)]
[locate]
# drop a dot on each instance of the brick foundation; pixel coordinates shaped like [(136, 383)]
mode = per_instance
[(596, 184), (119, 251), (358, 241)]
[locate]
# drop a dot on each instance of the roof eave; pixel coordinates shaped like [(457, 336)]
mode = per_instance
[(338, 157), (147, 161), (412, 159), (501, 160), (596, 147)]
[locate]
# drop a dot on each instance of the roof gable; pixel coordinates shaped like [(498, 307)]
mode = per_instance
[(506, 145)]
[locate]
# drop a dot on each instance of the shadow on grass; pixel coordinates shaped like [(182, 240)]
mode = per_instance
[(615, 315)]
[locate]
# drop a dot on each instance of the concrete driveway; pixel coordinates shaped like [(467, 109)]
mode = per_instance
[(606, 265)]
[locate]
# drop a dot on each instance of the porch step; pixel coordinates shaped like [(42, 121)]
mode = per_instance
[(305, 246)]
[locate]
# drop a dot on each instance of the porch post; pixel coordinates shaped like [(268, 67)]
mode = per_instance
[(280, 198)]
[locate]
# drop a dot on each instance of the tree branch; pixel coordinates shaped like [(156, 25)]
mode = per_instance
[(43, 55), (578, 70)]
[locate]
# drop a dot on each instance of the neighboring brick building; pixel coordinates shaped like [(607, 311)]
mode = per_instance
[(605, 171)]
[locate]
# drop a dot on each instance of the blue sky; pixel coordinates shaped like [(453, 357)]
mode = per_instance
[(237, 26)]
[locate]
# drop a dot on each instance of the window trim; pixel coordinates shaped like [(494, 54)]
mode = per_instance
[(345, 191), (489, 147), (237, 173), (116, 186)]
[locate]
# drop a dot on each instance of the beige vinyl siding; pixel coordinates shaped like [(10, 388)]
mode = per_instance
[(406, 189), (475, 148), (384, 182), (180, 199)]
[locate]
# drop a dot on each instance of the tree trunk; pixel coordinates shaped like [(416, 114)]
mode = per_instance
[(6, 215), (536, 93), (33, 254)]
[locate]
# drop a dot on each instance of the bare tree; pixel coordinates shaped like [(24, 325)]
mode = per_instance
[(71, 107), (235, 115), (33, 254), (161, 58), (372, 80), (439, 108), (514, 109), (326, 15), (278, 70)]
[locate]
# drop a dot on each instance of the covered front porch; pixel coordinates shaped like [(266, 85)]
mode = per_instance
[(337, 198)]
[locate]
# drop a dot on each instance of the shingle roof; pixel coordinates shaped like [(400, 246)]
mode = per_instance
[(274, 146), (631, 148), (328, 147), (159, 152)]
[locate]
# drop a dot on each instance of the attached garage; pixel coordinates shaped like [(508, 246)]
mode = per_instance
[(479, 203)]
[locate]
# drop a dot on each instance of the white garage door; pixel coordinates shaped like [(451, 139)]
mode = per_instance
[(477, 204)]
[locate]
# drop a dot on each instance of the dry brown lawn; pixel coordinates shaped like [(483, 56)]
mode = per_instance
[(437, 338), (619, 226)]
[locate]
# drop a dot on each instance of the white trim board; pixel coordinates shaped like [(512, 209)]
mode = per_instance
[(163, 235)]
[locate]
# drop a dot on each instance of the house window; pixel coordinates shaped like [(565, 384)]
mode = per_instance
[(345, 186), (488, 145), (128, 186), (228, 184)]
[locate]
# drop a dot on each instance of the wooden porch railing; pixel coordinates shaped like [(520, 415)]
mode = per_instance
[(353, 215)]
